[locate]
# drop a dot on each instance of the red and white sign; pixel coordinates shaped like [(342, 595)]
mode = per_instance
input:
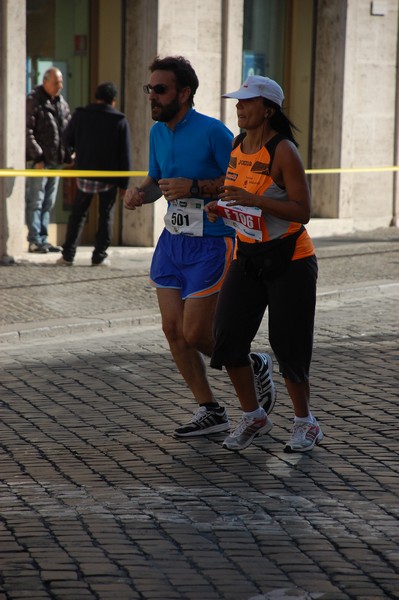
[(245, 219)]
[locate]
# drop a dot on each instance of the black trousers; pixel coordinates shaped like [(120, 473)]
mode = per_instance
[(77, 220), (291, 302)]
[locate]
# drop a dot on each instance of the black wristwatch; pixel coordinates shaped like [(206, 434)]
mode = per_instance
[(194, 190)]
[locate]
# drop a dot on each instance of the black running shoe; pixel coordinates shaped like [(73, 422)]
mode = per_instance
[(51, 248), (204, 422), (37, 248), (265, 388)]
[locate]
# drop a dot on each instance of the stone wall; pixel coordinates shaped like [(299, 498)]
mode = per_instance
[(355, 111), (12, 126)]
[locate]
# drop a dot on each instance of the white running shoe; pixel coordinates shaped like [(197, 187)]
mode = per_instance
[(246, 431), (304, 437)]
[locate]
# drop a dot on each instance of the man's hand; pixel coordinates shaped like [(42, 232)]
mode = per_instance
[(69, 165), (211, 210), (133, 198), (39, 165), (175, 188)]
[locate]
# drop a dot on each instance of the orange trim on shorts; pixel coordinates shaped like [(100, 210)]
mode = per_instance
[(228, 257)]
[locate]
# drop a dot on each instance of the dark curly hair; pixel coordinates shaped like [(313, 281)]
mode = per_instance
[(184, 73)]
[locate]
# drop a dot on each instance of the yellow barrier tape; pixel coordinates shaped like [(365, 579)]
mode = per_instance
[(68, 173), (352, 170), (76, 173)]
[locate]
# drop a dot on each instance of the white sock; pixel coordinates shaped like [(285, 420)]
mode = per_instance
[(309, 419), (255, 414)]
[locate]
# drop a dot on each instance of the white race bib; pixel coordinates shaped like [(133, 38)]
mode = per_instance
[(185, 216), (245, 219)]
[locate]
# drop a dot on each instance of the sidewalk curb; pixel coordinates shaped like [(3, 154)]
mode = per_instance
[(39, 330), (359, 291), (107, 322)]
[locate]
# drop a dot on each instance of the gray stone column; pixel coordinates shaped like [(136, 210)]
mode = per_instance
[(355, 111), (12, 126), (141, 43), (232, 23), (328, 104)]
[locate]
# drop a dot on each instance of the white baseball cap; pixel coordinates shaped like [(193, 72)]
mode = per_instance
[(256, 86)]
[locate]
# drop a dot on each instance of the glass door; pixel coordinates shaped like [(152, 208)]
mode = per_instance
[(58, 34)]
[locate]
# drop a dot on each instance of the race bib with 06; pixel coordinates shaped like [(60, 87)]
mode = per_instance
[(245, 219), (185, 216)]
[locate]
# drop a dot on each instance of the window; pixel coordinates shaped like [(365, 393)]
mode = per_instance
[(264, 38)]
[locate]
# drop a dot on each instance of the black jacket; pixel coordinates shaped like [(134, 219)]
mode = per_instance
[(100, 136), (45, 122)]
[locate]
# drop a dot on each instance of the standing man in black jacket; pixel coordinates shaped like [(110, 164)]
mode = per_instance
[(47, 115), (100, 137)]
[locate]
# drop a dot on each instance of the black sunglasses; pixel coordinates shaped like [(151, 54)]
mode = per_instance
[(159, 88)]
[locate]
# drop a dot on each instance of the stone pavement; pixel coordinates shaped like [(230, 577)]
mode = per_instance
[(99, 501)]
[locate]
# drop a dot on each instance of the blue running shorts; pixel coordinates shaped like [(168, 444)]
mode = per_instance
[(195, 265)]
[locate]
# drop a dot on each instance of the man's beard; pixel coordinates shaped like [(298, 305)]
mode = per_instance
[(167, 112)]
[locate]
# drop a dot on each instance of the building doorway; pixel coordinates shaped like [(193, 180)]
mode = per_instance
[(83, 38)]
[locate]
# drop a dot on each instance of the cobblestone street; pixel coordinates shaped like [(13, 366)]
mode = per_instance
[(99, 501)]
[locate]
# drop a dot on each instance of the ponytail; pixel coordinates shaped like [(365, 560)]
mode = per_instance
[(280, 123)]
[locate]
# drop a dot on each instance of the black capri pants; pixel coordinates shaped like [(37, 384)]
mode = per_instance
[(291, 302)]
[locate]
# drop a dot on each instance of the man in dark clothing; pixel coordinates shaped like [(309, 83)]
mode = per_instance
[(100, 136), (47, 115)]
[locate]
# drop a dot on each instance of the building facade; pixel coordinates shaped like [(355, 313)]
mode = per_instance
[(337, 61)]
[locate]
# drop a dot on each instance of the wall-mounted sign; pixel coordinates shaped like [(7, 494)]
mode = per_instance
[(80, 44)]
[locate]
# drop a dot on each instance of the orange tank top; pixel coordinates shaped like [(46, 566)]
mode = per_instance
[(252, 173)]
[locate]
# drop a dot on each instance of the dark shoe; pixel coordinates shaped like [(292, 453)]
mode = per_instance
[(102, 262), (99, 258), (51, 248), (37, 248), (265, 388), (203, 422)]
